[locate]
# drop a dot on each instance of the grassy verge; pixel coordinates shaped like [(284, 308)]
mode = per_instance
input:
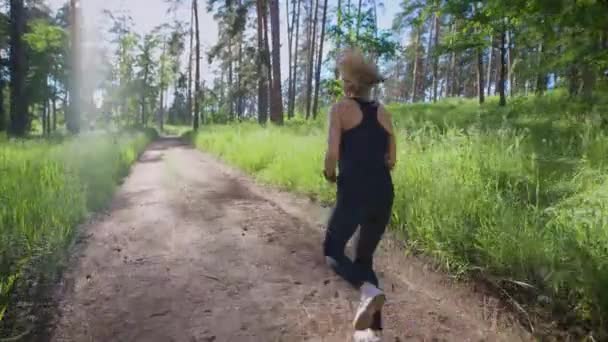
[(519, 193), (175, 130), (46, 189)]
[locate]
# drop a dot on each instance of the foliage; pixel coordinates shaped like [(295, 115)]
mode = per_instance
[(362, 31), (39, 179), (47, 43), (538, 39)]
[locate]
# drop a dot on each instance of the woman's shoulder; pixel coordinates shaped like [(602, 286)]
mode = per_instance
[(343, 106), (345, 102)]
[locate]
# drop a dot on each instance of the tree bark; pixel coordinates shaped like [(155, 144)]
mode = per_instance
[(230, 81), (190, 53), (292, 100), (47, 113), (276, 111), (427, 63), (491, 56), (415, 65), (315, 106), (541, 78), (311, 54), (452, 73), (510, 60), (239, 71), (588, 75), (54, 108), (2, 112), (262, 72), (510, 63), (161, 116), (18, 70), (480, 71), (73, 119), (143, 96), (267, 52), (290, 25), (339, 37), (42, 117), (503, 67), (436, 57), (358, 17), (239, 85), (197, 77)]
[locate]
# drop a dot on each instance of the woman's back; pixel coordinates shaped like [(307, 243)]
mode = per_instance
[(364, 144)]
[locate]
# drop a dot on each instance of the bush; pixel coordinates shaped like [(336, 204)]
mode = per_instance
[(47, 188)]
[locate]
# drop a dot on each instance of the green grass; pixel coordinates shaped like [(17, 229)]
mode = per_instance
[(175, 130), (520, 193), (46, 189)]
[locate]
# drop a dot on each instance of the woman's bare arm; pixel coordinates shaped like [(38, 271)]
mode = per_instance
[(333, 143), (387, 122)]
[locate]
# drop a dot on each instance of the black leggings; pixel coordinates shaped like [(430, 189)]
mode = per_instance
[(343, 223)]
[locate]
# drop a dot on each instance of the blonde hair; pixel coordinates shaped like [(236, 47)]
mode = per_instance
[(361, 73)]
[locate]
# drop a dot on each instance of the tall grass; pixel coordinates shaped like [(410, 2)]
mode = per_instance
[(520, 192), (46, 189)]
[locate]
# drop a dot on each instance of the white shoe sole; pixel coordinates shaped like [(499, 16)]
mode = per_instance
[(363, 318)]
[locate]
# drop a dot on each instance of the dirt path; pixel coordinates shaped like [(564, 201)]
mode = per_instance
[(192, 250)]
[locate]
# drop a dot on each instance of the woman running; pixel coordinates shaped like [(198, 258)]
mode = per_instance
[(362, 145)]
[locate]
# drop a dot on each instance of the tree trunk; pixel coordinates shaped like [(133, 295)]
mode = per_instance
[(415, 65), (143, 95), (541, 78), (2, 112), (497, 68), (161, 117), (491, 55), (47, 113), (42, 118), (262, 72), (267, 52), (290, 25), (54, 108), (436, 57), (510, 61), (292, 100), (239, 83), (573, 80), (315, 106), (588, 75), (142, 111), (276, 110), (73, 119), (339, 37), (197, 73), (18, 70), (358, 18), (427, 63), (503, 68), (452, 73), (190, 52), (480, 71), (311, 54)]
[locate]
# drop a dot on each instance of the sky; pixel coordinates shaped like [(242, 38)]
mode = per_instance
[(147, 14)]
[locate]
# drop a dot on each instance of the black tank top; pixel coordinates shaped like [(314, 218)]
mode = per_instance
[(364, 174)]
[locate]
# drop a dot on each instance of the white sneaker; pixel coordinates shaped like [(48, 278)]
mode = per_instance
[(367, 335), (372, 300)]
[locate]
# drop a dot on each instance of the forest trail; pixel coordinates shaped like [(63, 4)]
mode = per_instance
[(192, 250)]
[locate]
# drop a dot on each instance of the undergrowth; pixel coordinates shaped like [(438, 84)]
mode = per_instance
[(519, 193), (47, 187)]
